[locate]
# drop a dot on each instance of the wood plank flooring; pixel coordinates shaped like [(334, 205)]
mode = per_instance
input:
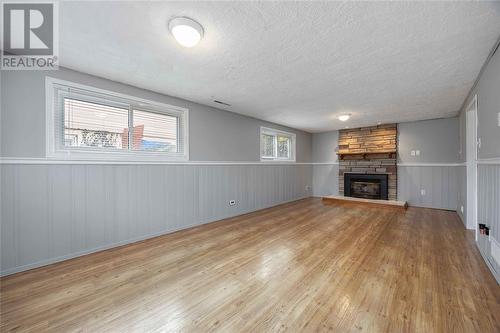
[(300, 267)]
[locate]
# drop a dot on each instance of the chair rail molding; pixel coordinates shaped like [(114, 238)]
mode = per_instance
[(493, 160), (430, 164), (39, 161)]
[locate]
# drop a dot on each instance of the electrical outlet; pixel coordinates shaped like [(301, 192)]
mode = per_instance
[(422, 192), (462, 209), (417, 152), (232, 202), (412, 153), (308, 187)]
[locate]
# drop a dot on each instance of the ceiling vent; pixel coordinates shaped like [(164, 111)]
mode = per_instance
[(222, 103)]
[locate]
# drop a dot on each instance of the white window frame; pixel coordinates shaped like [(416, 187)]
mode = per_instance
[(276, 133), (57, 150)]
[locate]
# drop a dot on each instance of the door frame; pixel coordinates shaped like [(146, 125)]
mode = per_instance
[(471, 163)]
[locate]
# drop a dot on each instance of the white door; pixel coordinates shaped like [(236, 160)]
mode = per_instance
[(471, 160)]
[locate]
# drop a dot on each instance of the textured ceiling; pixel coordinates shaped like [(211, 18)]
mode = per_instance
[(298, 64)]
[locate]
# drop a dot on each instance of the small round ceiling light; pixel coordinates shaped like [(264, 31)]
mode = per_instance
[(344, 117), (186, 31)]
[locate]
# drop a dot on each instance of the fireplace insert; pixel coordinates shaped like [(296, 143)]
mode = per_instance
[(368, 186)]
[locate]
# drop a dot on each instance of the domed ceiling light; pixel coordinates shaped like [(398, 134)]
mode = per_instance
[(186, 31), (344, 117)]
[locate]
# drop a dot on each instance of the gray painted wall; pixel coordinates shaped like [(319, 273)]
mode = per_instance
[(462, 193), (54, 212), (324, 147), (215, 135), (462, 172), (325, 180), (51, 212), (436, 139), (461, 137), (488, 100), (487, 90), (439, 182), (488, 200), (438, 143), (325, 176)]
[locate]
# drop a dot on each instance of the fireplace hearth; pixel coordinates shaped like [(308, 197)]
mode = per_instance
[(368, 186)]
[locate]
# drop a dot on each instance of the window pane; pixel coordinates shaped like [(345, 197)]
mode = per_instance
[(89, 124), (283, 146), (267, 145), (154, 131)]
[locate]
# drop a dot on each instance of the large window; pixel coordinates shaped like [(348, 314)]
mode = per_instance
[(88, 122), (276, 145)]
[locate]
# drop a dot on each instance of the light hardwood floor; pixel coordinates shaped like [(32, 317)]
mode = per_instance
[(299, 267)]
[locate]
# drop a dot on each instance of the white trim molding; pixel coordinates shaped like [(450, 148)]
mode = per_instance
[(56, 90), (40, 161), (35, 160), (430, 164), (292, 138), (494, 160), (325, 163)]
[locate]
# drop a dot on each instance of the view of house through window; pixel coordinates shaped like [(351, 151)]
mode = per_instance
[(267, 145), (283, 146), (154, 131), (277, 145), (97, 121), (94, 125)]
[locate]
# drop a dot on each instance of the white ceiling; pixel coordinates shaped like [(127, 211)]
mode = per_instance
[(294, 63)]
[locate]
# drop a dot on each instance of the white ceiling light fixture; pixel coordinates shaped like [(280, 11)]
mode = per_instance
[(344, 117), (186, 31)]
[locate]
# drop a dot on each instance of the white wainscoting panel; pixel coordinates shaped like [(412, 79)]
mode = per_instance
[(462, 193), (51, 212), (488, 197), (325, 179), (488, 201), (439, 182)]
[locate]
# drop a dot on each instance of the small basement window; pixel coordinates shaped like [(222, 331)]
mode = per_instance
[(276, 145), (85, 122)]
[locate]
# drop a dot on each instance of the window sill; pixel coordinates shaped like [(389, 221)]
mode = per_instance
[(116, 156), (270, 160)]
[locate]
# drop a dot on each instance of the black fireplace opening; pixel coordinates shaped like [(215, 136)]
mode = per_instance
[(368, 186)]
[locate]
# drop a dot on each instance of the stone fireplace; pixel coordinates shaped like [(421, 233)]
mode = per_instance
[(368, 162)]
